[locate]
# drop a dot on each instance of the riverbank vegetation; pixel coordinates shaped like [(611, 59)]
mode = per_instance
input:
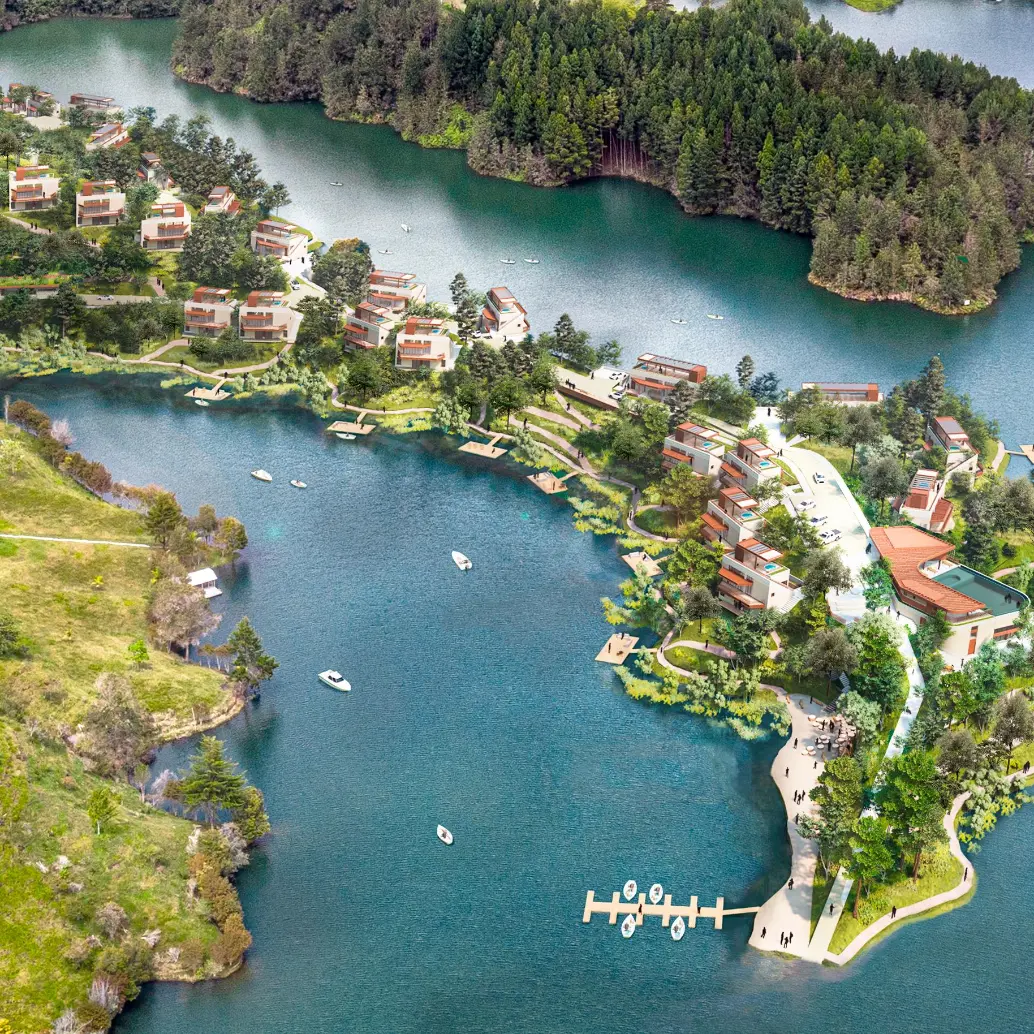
[(908, 172), (102, 890)]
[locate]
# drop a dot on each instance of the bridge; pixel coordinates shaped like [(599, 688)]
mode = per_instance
[(641, 908)]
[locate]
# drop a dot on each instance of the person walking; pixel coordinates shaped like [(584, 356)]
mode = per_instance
[(795, 743), (764, 930), (789, 886), (787, 771), (789, 940), (831, 908), (894, 912)]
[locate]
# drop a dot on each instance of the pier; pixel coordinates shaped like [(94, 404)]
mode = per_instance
[(347, 427), (644, 560), (641, 908), (550, 484), (617, 648), (1024, 450), (489, 450)]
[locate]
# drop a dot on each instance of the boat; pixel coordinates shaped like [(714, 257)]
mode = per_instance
[(444, 835), (678, 322), (384, 251), (678, 929), (628, 926), (201, 402), (532, 262), (712, 316), (299, 484), (462, 562), (631, 889), (345, 436), (405, 228), (656, 893), (262, 475), (335, 680), (336, 183), (508, 262)]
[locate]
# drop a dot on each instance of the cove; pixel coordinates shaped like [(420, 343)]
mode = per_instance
[(477, 703), (620, 257)]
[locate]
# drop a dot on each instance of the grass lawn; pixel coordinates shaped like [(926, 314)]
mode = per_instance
[(138, 861), (658, 522), (408, 396), (838, 455), (872, 6), (689, 659), (182, 354), (940, 872), (118, 289), (820, 888)]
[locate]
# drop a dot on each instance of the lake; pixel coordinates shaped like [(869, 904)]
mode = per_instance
[(621, 257)]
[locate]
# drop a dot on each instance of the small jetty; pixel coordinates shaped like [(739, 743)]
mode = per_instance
[(644, 560), (665, 910), (617, 648), (549, 483), (489, 450), (215, 394), (350, 427)]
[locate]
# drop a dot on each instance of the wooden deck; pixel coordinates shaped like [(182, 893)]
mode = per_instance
[(208, 394), (347, 427), (617, 906), (617, 648), (547, 482), (641, 559), (490, 450)]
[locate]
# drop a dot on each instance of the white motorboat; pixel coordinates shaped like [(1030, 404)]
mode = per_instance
[(384, 251), (201, 402), (628, 926), (461, 561), (261, 475), (532, 262), (678, 929), (508, 261), (631, 889), (444, 835), (345, 436), (336, 183), (299, 484), (335, 680), (405, 227), (712, 316), (656, 893), (679, 322)]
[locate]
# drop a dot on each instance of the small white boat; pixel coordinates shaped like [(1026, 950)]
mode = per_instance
[(678, 929), (299, 484), (201, 402), (508, 261), (462, 562), (532, 262), (262, 475), (444, 835), (656, 893), (405, 227), (679, 322), (345, 436), (336, 183), (335, 680), (628, 926), (385, 251), (712, 316), (631, 889)]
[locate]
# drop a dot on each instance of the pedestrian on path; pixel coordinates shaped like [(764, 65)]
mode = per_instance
[(816, 765), (831, 908), (894, 912), (787, 771), (965, 875), (789, 940), (789, 886), (797, 819), (764, 930), (795, 743)]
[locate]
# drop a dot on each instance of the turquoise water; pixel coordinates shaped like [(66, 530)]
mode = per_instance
[(476, 703)]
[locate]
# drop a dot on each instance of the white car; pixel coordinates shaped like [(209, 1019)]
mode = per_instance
[(831, 536), (818, 520), (819, 479), (617, 394), (805, 505)]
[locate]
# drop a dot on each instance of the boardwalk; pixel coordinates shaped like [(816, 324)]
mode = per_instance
[(665, 910)]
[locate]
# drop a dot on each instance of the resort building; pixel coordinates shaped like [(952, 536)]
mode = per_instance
[(151, 170), (753, 463), (695, 446), (209, 311), (731, 518), (33, 104), (281, 241), (31, 188), (425, 343), (369, 326), (91, 102), (113, 134), (266, 316), (979, 608), (655, 376), (99, 203), (166, 228), (222, 199), (846, 393), (42, 288), (951, 436), (752, 578), (504, 315), (924, 503), (394, 291)]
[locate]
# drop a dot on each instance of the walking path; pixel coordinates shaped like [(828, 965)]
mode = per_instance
[(81, 542), (642, 531), (577, 414), (556, 418)]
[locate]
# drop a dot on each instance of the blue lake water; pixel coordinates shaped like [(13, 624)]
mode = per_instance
[(477, 703)]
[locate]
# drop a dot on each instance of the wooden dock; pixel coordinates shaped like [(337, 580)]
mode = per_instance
[(641, 908), (644, 560), (617, 648), (549, 484), (215, 394), (347, 427), (490, 450)]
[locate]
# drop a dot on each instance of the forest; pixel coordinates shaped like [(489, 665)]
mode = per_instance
[(912, 174)]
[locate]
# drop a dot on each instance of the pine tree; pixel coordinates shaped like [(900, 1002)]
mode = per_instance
[(745, 371), (251, 665), (213, 783)]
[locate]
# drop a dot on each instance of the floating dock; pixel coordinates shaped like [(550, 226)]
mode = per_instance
[(644, 560), (215, 394), (347, 427), (617, 648), (490, 450), (547, 482), (641, 908)]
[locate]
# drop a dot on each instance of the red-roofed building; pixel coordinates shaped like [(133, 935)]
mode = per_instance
[(845, 393), (266, 316), (113, 134), (222, 199), (282, 241), (31, 188), (504, 315), (99, 203), (655, 376), (394, 291), (752, 464), (166, 228), (151, 170), (951, 436), (369, 326), (924, 503), (695, 446), (734, 517), (424, 343), (752, 578), (92, 102), (209, 311)]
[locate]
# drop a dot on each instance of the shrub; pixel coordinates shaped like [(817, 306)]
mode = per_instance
[(218, 892), (192, 955), (872, 909), (112, 919), (93, 1017), (233, 942)]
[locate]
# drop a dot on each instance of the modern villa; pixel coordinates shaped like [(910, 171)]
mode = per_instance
[(166, 228), (924, 503), (113, 134), (281, 241), (425, 343), (847, 394), (655, 376), (34, 104), (752, 464), (222, 199), (752, 578), (695, 446), (43, 287), (951, 436), (266, 316), (151, 170), (503, 314), (91, 102), (394, 291), (99, 203), (731, 518), (31, 188), (209, 311), (979, 608), (369, 326)]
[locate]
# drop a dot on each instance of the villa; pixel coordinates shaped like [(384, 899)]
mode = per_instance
[(951, 436), (222, 199), (503, 314), (281, 241), (696, 446), (31, 188), (166, 228), (846, 393), (369, 326), (924, 503), (113, 134), (752, 578), (731, 518), (655, 376), (33, 105), (209, 311), (266, 316), (425, 343), (43, 288), (91, 102), (151, 170), (394, 291), (979, 608), (99, 203), (753, 463)]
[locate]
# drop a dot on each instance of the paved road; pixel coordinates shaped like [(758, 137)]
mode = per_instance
[(80, 542)]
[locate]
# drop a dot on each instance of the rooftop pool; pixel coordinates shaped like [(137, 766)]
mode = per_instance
[(998, 597)]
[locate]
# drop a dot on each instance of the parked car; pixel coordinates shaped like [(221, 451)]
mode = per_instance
[(617, 394), (831, 536), (818, 520), (819, 479), (805, 505)]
